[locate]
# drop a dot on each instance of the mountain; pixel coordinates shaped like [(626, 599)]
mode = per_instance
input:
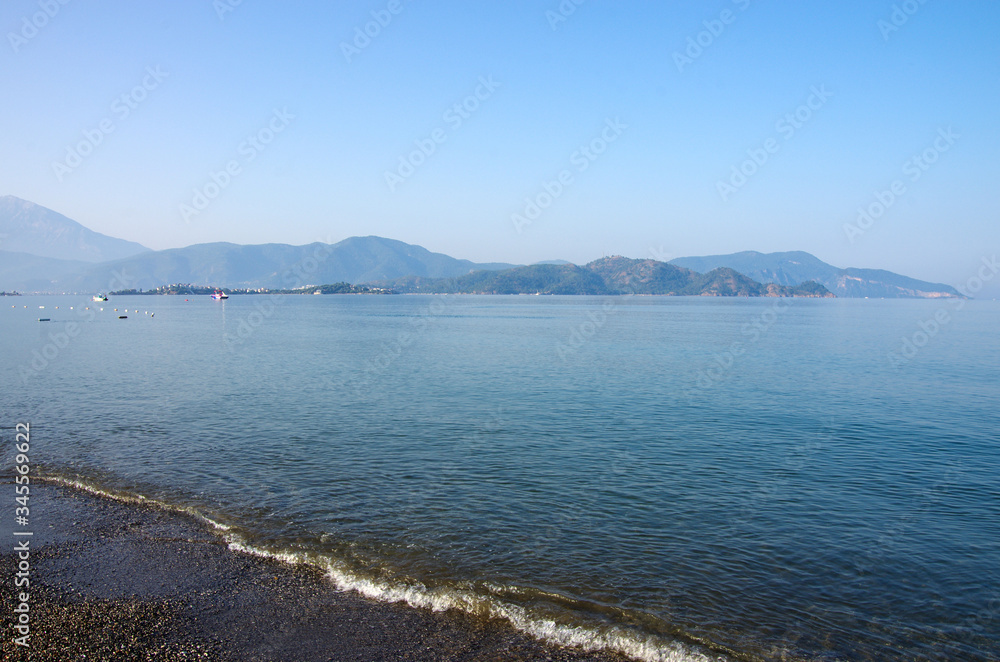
[(43, 251), (796, 267), (31, 273), (353, 260), (610, 275), (533, 279), (29, 228), (644, 276)]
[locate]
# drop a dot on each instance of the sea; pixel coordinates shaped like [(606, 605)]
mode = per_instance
[(670, 478)]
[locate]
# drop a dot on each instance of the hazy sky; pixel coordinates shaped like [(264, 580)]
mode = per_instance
[(628, 125)]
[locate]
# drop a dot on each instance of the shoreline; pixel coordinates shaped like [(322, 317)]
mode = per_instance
[(116, 580)]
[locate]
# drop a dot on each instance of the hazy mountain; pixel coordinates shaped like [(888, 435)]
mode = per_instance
[(795, 267), (43, 251), (644, 276), (533, 279), (31, 273), (610, 275), (353, 260), (654, 277), (29, 228)]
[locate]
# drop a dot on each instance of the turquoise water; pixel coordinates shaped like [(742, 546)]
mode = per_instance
[(673, 478)]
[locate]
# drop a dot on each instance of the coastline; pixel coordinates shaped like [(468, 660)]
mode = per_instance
[(114, 580)]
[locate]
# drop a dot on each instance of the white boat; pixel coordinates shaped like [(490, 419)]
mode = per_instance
[(219, 294), (99, 297)]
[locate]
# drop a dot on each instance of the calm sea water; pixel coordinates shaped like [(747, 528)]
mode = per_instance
[(673, 478)]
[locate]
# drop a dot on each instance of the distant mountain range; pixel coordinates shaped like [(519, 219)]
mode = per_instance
[(354, 260), (794, 267), (43, 251), (29, 228), (610, 275)]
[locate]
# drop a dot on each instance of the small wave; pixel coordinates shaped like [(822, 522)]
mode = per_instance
[(487, 604), (124, 497), (590, 637)]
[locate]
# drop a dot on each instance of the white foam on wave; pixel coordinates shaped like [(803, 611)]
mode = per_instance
[(647, 648), (93, 489), (135, 499)]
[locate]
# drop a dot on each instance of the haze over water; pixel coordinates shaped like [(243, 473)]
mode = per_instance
[(667, 477)]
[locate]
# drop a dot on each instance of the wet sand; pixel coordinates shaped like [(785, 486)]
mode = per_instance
[(117, 581)]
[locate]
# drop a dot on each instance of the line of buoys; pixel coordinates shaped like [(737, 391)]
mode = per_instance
[(49, 319)]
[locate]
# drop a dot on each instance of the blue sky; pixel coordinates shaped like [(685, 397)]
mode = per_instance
[(627, 124)]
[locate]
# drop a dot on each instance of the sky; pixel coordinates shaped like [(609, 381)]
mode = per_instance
[(864, 132)]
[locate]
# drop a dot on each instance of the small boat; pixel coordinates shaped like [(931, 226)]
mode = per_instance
[(99, 297), (219, 295)]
